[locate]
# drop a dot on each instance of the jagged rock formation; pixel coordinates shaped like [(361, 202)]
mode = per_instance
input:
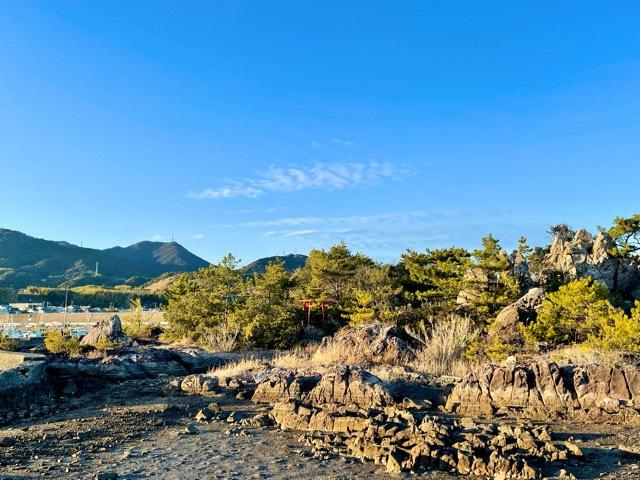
[(506, 329), (409, 439), (108, 329), (583, 256), (340, 385), (374, 343), (544, 389)]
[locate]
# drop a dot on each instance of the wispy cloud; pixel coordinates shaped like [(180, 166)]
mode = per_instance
[(316, 144), (352, 219), (346, 143), (300, 233), (157, 238), (327, 176), (199, 236)]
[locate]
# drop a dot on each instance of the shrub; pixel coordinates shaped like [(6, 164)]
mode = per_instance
[(56, 342), (618, 331), (8, 344), (572, 313), (223, 338), (104, 344), (446, 345)]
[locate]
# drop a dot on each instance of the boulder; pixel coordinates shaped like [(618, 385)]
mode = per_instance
[(506, 329), (376, 343), (108, 329)]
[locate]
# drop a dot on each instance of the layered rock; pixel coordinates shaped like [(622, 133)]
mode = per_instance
[(408, 439), (341, 385), (544, 389), (136, 363)]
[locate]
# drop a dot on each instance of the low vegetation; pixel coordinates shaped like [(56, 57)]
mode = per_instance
[(56, 342), (448, 298)]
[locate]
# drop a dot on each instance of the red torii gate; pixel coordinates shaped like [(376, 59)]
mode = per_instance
[(308, 304)]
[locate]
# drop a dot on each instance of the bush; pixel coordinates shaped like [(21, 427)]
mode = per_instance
[(56, 342), (446, 345), (8, 344), (573, 313), (618, 331)]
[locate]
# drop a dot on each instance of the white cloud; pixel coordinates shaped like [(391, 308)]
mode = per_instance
[(346, 143), (353, 219), (300, 233), (327, 176), (199, 236), (157, 238), (315, 145)]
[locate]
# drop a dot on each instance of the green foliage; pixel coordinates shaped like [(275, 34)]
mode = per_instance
[(435, 277), (572, 313), (562, 231), (104, 344), (205, 299), (56, 342), (625, 232), (374, 296), (96, 296), (618, 331), (269, 318), (8, 344), (8, 295), (490, 284), (133, 324), (523, 247)]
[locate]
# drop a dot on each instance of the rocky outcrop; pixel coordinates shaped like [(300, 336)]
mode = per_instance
[(583, 256), (544, 389), (374, 343), (506, 329), (340, 385), (136, 363), (24, 386), (409, 439), (108, 329)]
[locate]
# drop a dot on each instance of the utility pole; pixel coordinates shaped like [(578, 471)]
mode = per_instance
[(66, 293)]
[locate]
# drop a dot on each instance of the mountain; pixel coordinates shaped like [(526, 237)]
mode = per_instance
[(292, 262), (26, 260)]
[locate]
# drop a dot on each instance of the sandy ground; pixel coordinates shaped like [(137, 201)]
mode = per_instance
[(133, 430)]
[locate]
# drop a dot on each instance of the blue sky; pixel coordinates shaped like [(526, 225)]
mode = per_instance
[(270, 127)]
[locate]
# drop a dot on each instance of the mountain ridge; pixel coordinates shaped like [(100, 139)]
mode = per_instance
[(27, 260)]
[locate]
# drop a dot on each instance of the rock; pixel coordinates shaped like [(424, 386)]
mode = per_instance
[(506, 329), (375, 342), (107, 476), (192, 429), (199, 385), (108, 329), (544, 389), (583, 256), (7, 441)]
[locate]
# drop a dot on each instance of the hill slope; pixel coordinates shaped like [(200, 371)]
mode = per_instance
[(26, 260), (292, 262)]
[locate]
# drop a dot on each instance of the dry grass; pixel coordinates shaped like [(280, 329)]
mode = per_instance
[(332, 352), (238, 367), (582, 354), (223, 338), (299, 357), (444, 346)]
